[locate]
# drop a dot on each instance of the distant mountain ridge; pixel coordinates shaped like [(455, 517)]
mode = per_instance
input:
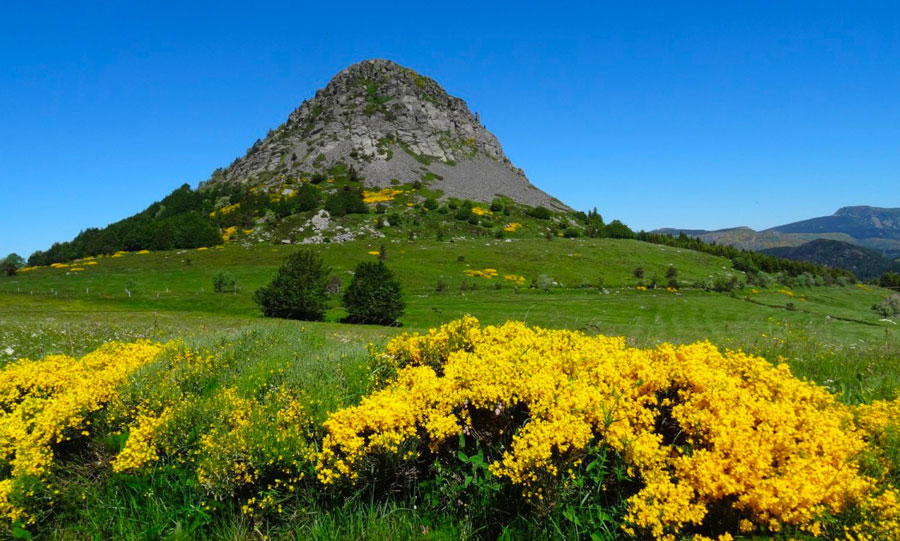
[(875, 228), (860, 222)]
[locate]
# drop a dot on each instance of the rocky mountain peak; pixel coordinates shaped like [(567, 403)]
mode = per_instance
[(393, 126)]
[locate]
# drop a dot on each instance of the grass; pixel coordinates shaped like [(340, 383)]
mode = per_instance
[(831, 336)]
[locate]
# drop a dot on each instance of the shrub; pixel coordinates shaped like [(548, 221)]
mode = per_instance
[(889, 307), (638, 272), (539, 212), (224, 281), (346, 201), (374, 295), (298, 290), (571, 233), (669, 429), (890, 280), (430, 203), (543, 282), (307, 198), (724, 283)]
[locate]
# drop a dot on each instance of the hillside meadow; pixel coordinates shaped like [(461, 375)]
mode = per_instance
[(181, 444)]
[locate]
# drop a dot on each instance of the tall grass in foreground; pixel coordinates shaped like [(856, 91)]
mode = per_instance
[(227, 463)]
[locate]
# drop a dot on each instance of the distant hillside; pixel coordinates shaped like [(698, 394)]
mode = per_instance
[(860, 222), (869, 227), (865, 263)]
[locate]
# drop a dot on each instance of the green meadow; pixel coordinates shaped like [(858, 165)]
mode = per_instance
[(171, 294)]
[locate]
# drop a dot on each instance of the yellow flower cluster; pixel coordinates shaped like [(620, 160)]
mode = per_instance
[(479, 211), (511, 227), (252, 436), (374, 252), (703, 431), (641, 288), (47, 402), (380, 196), (483, 273), (225, 210), (140, 448), (241, 441), (228, 232), (515, 278), (787, 292)]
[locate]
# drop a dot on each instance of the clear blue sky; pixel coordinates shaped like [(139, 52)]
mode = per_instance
[(699, 114)]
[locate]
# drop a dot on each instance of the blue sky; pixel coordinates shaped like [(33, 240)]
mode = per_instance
[(699, 114)]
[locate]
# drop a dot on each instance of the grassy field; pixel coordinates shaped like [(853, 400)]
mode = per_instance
[(170, 294), (827, 334)]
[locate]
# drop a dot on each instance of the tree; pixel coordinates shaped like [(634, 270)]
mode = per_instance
[(374, 295), (298, 290), (617, 230), (11, 265), (672, 276)]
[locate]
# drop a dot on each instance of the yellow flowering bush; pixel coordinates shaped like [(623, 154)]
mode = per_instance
[(380, 196), (231, 442), (699, 431), (228, 209), (515, 278), (483, 273), (45, 403), (480, 211), (511, 227)]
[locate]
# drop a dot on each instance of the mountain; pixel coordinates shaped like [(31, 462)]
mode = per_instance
[(380, 152), (393, 126), (859, 222), (869, 227), (864, 263)]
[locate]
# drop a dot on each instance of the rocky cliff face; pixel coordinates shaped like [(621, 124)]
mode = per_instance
[(391, 124)]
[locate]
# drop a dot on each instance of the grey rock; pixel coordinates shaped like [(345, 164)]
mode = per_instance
[(390, 123)]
